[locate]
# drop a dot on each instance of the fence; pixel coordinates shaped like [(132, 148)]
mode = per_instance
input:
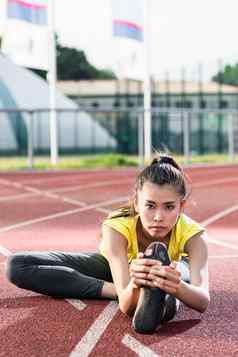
[(187, 132)]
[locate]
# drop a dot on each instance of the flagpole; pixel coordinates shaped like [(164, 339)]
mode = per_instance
[(4, 24), (52, 77), (147, 85)]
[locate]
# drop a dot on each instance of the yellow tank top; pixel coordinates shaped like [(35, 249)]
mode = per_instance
[(184, 229)]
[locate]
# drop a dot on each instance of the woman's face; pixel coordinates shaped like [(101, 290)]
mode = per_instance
[(159, 208)]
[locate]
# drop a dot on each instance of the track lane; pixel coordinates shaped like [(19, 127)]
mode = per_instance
[(33, 325), (175, 335)]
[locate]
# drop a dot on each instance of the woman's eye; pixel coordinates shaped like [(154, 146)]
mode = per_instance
[(149, 205), (170, 207)]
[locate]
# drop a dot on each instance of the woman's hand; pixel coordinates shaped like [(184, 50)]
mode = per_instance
[(167, 278), (140, 269), (151, 273)]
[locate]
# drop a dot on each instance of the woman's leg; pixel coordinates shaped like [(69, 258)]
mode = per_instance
[(58, 274)]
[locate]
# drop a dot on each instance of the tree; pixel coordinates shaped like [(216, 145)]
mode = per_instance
[(228, 76), (72, 64)]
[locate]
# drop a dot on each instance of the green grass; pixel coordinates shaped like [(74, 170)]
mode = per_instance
[(98, 161), (207, 159), (68, 162)]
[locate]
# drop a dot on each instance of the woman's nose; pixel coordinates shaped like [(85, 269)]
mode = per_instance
[(158, 217)]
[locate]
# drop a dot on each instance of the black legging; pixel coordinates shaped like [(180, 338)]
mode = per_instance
[(63, 274), (60, 274)]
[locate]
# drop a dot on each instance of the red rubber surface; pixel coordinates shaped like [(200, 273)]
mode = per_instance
[(35, 325)]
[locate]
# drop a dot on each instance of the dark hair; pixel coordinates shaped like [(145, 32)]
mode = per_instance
[(163, 170)]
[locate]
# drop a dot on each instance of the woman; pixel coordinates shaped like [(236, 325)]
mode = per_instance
[(151, 255)]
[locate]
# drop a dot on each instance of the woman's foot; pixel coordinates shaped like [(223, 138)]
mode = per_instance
[(150, 306)]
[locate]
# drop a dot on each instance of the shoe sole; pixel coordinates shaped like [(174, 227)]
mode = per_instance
[(149, 311), (171, 307)]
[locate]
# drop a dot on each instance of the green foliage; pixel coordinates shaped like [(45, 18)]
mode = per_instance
[(9, 163), (72, 64), (39, 72), (110, 160), (228, 76)]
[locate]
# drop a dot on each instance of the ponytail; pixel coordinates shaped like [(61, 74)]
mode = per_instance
[(164, 170)]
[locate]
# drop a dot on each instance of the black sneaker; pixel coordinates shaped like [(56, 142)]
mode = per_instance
[(171, 306), (150, 307)]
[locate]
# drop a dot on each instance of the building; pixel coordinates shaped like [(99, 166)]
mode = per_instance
[(129, 93), (208, 132), (24, 114)]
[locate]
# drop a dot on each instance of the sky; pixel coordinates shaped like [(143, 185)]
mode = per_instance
[(184, 36), (182, 33)]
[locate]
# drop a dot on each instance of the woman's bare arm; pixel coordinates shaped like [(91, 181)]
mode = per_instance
[(196, 295), (116, 251)]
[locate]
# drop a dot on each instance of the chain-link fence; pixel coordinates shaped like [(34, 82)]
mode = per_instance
[(187, 132)]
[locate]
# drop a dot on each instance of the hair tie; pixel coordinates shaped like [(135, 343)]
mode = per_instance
[(166, 159)]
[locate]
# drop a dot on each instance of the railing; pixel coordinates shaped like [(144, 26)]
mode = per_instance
[(87, 130)]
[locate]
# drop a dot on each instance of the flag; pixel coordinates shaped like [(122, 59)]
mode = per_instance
[(128, 34), (25, 36), (128, 19), (34, 11)]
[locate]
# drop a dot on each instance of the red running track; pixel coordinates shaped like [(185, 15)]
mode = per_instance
[(63, 211)]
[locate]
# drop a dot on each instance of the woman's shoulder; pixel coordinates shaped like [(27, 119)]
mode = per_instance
[(120, 222), (119, 216), (186, 221), (187, 226)]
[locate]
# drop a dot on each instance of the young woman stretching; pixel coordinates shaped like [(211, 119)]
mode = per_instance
[(151, 255)]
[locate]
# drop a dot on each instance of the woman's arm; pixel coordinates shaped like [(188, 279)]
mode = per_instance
[(196, 295), (167, 278), (115, 246)]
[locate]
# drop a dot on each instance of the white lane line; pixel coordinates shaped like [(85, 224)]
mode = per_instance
[(73, 202), (10, 183), (227, 256), (214, 182), (103, 210), (4, 251), (38, 220), (51, 193), (92, 336), (102, 184), (223, 244), (61, 214), (215, 218), (219, 215), (33, 191), (99, 208), (17, 197), (140, 349), (91, 185), (78, 304)]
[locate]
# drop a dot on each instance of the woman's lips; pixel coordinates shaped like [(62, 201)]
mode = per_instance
[(157, 227)]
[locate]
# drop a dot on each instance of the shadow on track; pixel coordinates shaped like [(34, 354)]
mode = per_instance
[(177, 327)]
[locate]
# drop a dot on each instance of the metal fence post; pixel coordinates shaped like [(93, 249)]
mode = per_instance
[(140, 119), (30, 146), (186, 136), (230, 131)]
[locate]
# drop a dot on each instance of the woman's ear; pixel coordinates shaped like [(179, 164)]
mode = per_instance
[(182, 205)]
